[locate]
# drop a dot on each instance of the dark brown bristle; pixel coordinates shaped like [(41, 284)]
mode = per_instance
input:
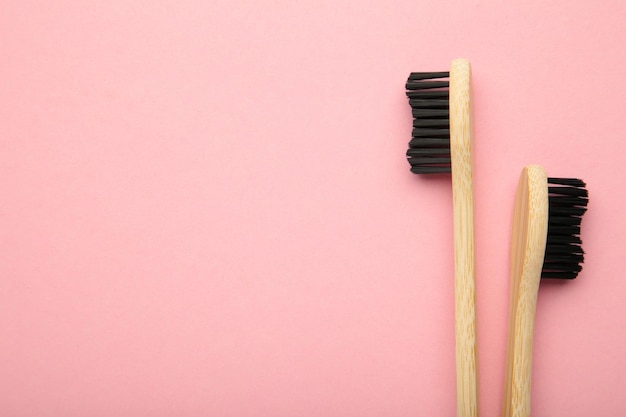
[(429, 148), (568, 200)]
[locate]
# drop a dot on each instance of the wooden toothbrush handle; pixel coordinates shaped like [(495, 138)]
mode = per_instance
[(463, 212), (528, 243)]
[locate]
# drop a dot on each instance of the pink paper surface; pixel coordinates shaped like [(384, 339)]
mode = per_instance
[(206, 208)]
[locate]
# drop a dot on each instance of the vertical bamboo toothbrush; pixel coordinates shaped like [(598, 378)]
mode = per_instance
[(441, 142), (545, 243)]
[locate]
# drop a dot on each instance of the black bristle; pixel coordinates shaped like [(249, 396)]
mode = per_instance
[(429, 148), (429, 142), (574, 182), (418, 103), (428, 114), (431, 132), (426, 85), (568, 199), (414, 76), (426, 95), (441, 123)]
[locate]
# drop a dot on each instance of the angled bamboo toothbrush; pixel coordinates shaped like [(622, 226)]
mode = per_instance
[(545, 243), (441, 143)]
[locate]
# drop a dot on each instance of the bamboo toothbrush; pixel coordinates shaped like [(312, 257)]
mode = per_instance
[(441, 143), (545, 243)]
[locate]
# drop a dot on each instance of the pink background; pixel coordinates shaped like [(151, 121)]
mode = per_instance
[(206, 210)]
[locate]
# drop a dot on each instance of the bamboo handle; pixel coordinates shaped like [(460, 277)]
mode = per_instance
[(528, 245), (463, 211)]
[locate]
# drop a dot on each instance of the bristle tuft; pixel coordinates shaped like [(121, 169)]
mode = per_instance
[(429, 148), (568, 200)]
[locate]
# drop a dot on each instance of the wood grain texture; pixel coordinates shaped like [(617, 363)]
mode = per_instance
[(463, 212), (528, 244)]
